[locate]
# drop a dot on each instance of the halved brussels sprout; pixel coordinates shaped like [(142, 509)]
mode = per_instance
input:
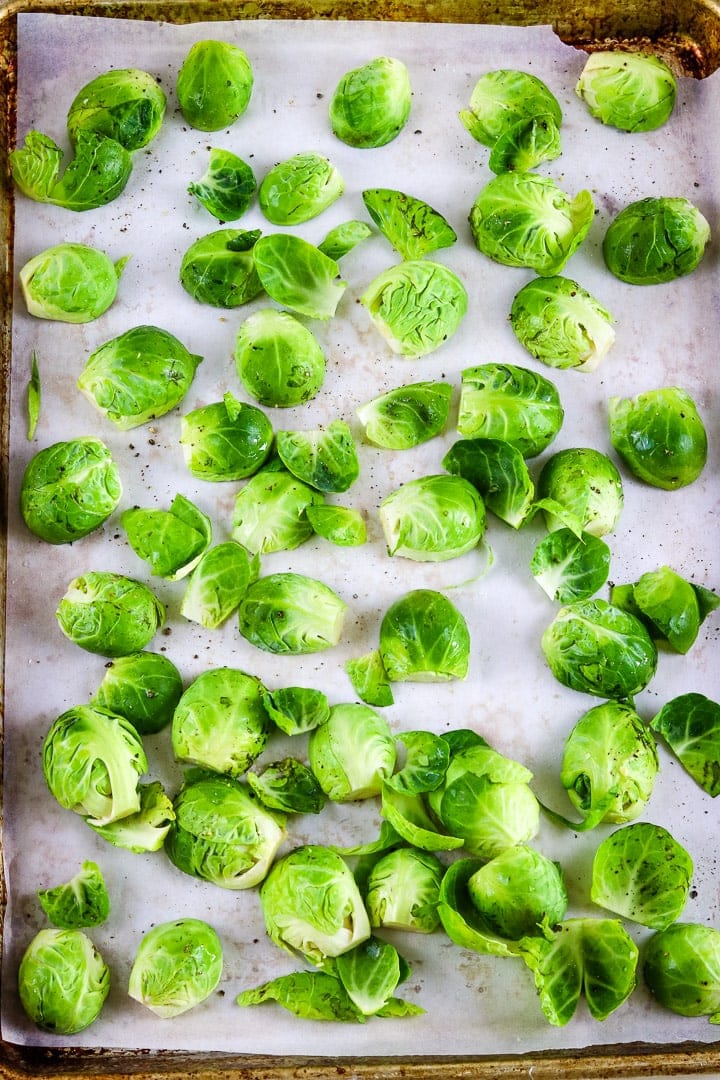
[(584, 489), (279, 360), (63, 981), (629, 91), (291, 613), (214, 85), (177, 965), (299, 189), (71, 283), (655, 240), (352, 753), (416, 305), (407, 415), (109, 613), (219, 269), (143, 687), (660, 436), (125, 104), (371, 104), (96, 175), (227, 440), (503, 401), (561, 324), (402, 891), (270, 511), (424, 638), (69, 489), (517, 116), (433, 518), (519, 892), (227, 186), (681, 968)]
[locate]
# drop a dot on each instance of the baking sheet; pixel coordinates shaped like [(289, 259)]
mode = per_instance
[(665, 334)]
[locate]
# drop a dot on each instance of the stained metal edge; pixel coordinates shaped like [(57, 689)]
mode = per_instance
[(687, 34)]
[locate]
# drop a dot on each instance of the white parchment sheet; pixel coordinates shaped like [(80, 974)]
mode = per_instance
[(475, 1005)]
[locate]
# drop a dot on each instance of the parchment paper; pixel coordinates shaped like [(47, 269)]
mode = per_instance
[(475, 1005)]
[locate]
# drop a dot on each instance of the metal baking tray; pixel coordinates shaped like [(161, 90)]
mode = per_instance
[(687, 35)]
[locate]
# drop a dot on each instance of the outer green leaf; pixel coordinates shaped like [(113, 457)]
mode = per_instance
[(324, 458), (370, 973), (410, 818), (96, 175), (34, 397), (171, 541), (569, 567), (296, 709), (498, 471), (461, 920), (426, 760), (340, 525), (83, 901), (412, 226), (312, 995), (369, 679), (407, 415), (690, 725), (218, 583), (227, 187), (146, 829), (298, 275)]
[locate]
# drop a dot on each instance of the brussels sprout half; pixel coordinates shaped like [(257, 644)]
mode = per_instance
[(660, 436), (416, 305), (125, 104), (214, 85), (71, 283), (629, 91), (63, 981), (371, 104), (300, 188), (655, 240), (177, 965), (96, 175)]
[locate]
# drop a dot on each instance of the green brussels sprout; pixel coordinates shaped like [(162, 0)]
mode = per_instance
[(220, 722), (71, 283), (227, 186), (138, 376), (178, 964), (171, 541), (287, 786), (498, 471), (681, 969), (96, 175), (270, 511), (655, 240), (642, 873), (81, 902), (690, 725), (221, 833), (672, 608), (561, 324), (464, 924), (402, 891), (340, 525), (503, 401), (407, 415), (146, 829), (300, 188), (288, 613), (227, 440), (296, 709), (369, 679), (108, 613), (278, 359), (416, 305), (519, 892), (352, 753), (597, 648), (214, 85), (412, 226), (584, 488), (424, 638), (92, 761), (143, 687), (371, 104), (517, 116), (521, 219), (63, 981), (343, 238), (126, 105), (298, 275), (219, 268), (485, 798), (628, 91), (217, 584), (660, 436), (312, 905), (609, 764), (69, 489), (569, 567), (596, 958), (325, 458), (433, 518)]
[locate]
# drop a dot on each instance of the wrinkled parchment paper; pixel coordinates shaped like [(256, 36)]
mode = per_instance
[(475, 1005)]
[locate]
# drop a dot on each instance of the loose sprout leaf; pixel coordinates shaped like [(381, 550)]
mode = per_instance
[(526, 144), (288, 786), (296, 709), (406, 416), (561, 324), (411, 819), (341, 240), (690, 725), (642, 873), (499, 472), (298, 275), (461, 920), (227, 187), (416, 305), (370, 973), (146, 829), (80, 902), (629, 91), (325, 458), (413, 227), (171, 541), (340, 525), (592, 957), (370, 680), (426, 760), (177, 965), (311, 995), (34, 397), (218, 583), (569, 567), (504, 401), (299, 188)]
